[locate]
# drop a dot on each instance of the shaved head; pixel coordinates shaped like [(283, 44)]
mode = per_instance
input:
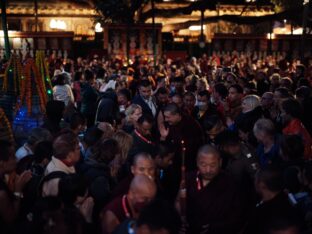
[(142, 191), (142, 183)]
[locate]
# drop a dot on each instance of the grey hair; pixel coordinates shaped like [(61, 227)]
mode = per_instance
[(252, 101), (264, 125), (208, 149)]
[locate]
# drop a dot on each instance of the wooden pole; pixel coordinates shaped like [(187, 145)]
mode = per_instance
[(5, 29), (36, 15), (154, 32)]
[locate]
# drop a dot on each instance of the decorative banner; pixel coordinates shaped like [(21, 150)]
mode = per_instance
[(41, 44), (216, 45), (53, 43), (148, 42), (228, 45), (275, 45), (263, 45), (286, 45), (240, 45), (251, 46), (6, 132), (134, 42), (115, 42)]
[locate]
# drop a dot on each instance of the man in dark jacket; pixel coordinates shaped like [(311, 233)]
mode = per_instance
[(145, 98), (213, 204), (89, 98), (142, 138)]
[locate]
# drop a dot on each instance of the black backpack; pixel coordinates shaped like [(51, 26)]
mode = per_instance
[(33, 189)]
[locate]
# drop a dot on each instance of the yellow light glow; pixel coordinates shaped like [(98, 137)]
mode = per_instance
[(58, 24), (196, 27), (98, 27)]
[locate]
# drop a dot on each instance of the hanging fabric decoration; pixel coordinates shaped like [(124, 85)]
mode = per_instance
[(6, 132), (44, 72), (32, 85)]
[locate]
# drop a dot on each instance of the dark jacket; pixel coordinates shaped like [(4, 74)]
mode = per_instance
[(99, 179), (89, 98), (215, 208), (145, 108), (107, 109)]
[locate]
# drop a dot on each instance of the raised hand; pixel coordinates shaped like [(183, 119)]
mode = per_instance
[(21, 180)]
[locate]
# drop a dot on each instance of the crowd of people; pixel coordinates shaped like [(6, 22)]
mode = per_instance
[(218, 145)]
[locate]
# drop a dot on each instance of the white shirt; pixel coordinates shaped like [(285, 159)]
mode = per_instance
[(23, 151), (50, 188), (151, 105), (63, 93)]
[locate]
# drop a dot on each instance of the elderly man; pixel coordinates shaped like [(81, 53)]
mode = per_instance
[(267, 104), (142, 191), (212, 200), (143, 164)]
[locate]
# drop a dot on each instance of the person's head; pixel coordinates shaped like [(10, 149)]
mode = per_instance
[(292, 147), (66, 148), (124, 142), (77, 123), (162, 96), (275, 79), (280, 94), (158, 217), (145, 124), (268, 180), (145, 89), (290, 109), (235, 93), (143, 164), (133, 113), (303, 93), (92, 135), (60, 79), (189, 100), (267, 100), (123, 97), (37, 135), (141, 192), (172, 114), (107, 129), (43, 152), (264, 130), (213, 125), (209, 162), (219, 92), (7, 157), (89, 77), (178, 84), (203, 100), (300, 70), (229, 142), (287, 83), (250, 102), (105, 151), (78, 76), (177, 99), (230, 79), (164, 155), (202, 84)]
